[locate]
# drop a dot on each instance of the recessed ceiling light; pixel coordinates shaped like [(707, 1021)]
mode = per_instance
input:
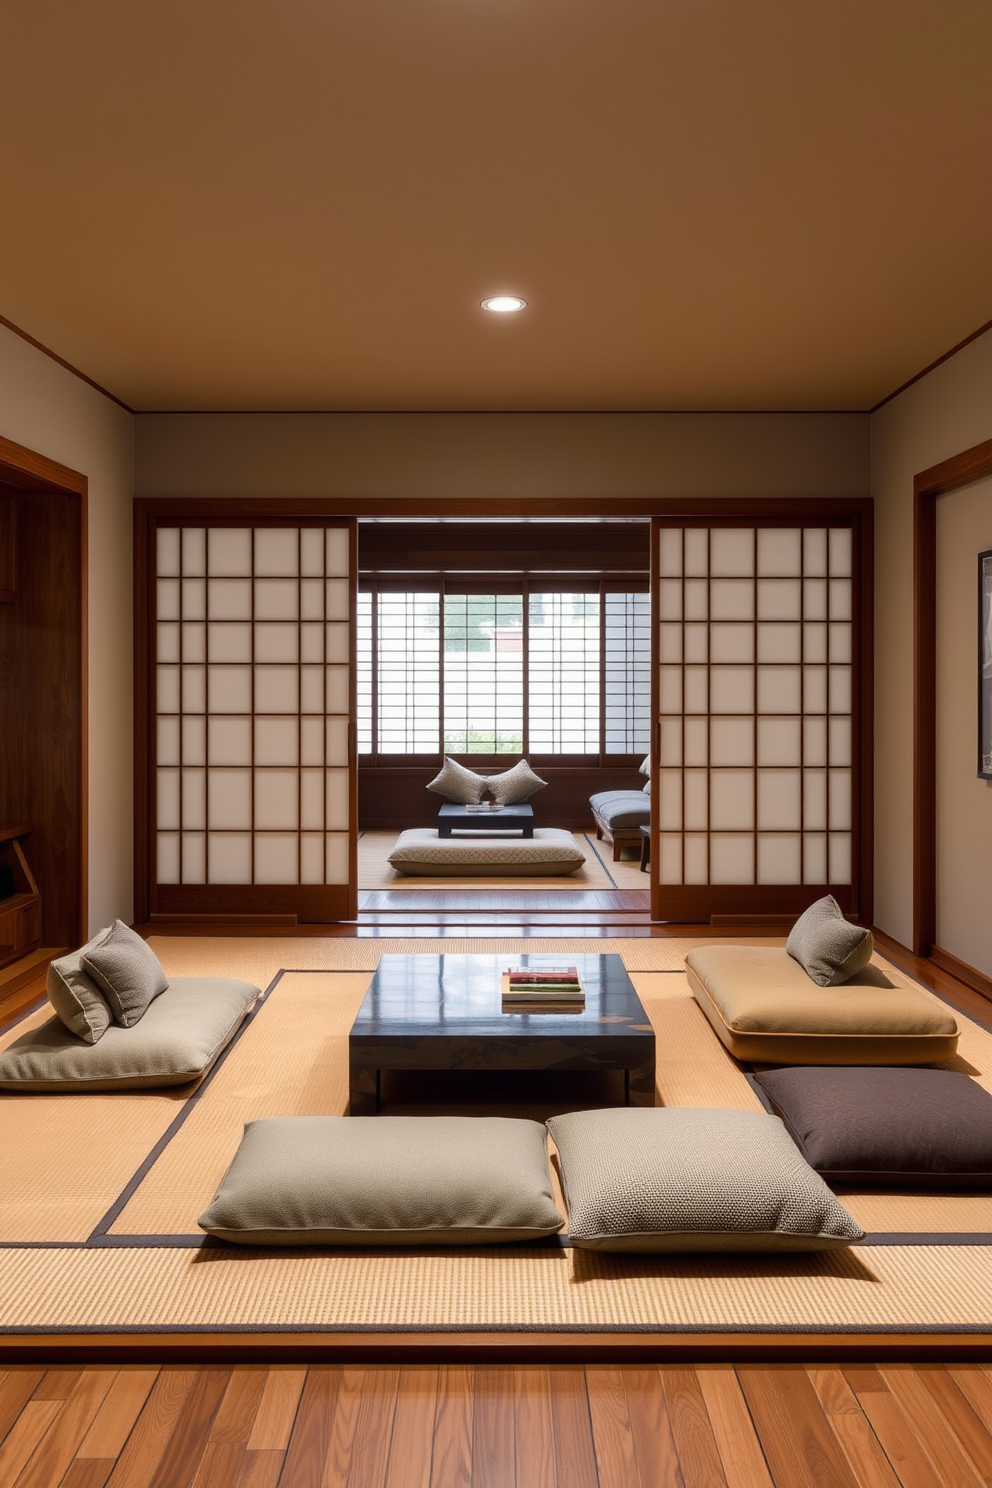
[(504, 304)]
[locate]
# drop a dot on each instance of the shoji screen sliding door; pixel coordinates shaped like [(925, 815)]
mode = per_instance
[(250, 762), (759, 798)]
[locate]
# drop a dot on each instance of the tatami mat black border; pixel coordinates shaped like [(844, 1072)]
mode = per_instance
[(601, 860), (100, 1229)]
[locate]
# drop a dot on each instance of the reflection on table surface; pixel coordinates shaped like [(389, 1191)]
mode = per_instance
[(448, 991)]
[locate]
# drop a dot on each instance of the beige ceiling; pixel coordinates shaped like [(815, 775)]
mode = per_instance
[(741, 204)]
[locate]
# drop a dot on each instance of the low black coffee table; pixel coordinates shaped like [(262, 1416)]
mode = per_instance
[(507, 819), (426, 1012)]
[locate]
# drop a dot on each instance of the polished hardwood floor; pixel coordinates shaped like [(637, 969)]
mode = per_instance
[(459, 1426)]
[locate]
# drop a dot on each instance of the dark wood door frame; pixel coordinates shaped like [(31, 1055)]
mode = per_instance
[(27, 471), (950, 475), (859, 511)]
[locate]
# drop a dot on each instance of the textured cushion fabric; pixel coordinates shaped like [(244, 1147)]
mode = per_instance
[(687, 1179), (76, 997), (926, 1127), (764, 1007), (622, 808), (127, 971), (515, 785), (550, 852), (386, 1180), (456, 783), (645, 766), (827, 946), (178, 1039)]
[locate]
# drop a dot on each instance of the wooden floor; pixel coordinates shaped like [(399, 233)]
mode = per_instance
[(468, 1427)]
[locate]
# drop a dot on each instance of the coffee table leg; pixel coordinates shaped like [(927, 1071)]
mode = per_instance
[(638, 1085), (363, 1091)]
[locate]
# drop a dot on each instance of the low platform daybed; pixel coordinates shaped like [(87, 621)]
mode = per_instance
[(818, 1000)]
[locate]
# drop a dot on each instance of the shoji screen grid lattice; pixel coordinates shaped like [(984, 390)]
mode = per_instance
[(756, 703), (252, 705)]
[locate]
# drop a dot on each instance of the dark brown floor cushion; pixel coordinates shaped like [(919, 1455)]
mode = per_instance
[(684, 1179), (386, 1180), (764, 1008), (924, 1127)]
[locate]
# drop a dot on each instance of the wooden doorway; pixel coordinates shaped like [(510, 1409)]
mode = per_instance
[(950, 475), (43, 679)]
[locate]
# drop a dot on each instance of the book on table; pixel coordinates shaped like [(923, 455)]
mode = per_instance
[(542, 984)]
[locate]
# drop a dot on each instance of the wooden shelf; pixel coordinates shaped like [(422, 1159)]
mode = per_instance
[(20, 913)]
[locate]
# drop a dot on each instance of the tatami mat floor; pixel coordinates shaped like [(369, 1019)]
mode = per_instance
[(112, 1243)]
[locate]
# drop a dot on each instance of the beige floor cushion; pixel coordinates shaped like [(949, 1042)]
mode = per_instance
[(177, 1040), (386, 1180), (548, 854), (765, 1008)]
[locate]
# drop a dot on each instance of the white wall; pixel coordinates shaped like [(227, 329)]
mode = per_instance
[(56, 414), (944, 413)]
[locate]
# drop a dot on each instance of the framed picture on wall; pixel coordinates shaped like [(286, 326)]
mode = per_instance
[(985, 665)]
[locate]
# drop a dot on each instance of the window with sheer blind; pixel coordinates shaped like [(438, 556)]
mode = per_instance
[(539, 671)]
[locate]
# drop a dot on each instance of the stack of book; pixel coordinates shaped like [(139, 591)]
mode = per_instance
[(543, 987)]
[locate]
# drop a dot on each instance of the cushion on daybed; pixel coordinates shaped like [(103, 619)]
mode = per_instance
[(75, 996), (827, 946), (550, 852), (924, 1128), (622, 808), (686, 1180), (455, 783), (127, 971), (386, 1180), (177, 1040), (764, 1007)]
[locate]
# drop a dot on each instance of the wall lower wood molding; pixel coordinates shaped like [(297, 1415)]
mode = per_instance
[(955, 967)]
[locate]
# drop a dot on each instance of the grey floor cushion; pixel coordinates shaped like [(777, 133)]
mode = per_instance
[(919, 1128), (692, 1180), (549, 853), (178, 1039), (386, 1180)]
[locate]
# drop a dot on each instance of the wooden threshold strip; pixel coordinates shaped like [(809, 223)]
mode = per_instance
[(508, 1347)]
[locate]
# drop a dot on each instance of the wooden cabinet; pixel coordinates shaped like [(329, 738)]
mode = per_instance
[(20, 913)]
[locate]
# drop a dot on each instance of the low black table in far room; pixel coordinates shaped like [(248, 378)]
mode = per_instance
[(519, 818), (426, 1012)]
